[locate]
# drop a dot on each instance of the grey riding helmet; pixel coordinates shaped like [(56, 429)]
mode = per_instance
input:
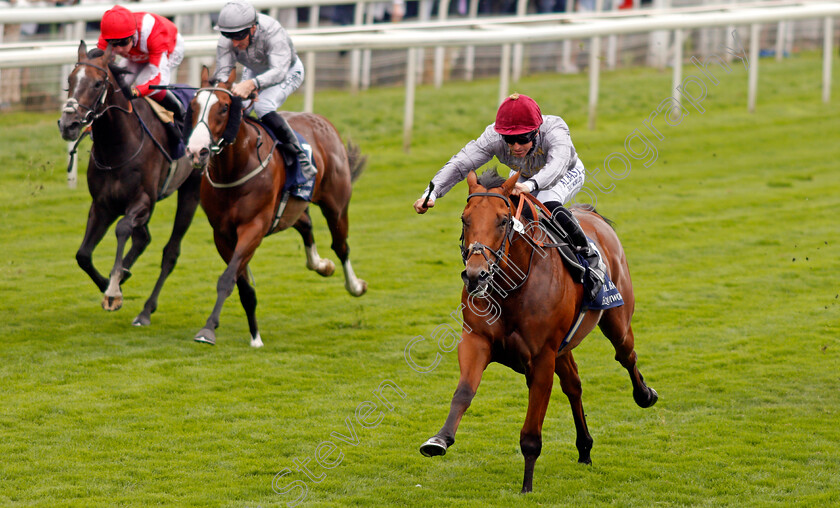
[(236, 16)]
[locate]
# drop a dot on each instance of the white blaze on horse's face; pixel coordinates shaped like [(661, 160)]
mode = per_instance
[(198, 146)]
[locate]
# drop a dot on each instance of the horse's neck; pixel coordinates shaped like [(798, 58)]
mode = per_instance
[(117, 124), (248, 149)]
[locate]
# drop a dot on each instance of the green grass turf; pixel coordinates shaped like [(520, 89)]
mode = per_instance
[(731, 237)]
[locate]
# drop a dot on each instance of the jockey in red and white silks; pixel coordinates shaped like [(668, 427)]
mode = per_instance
[(150, 45)]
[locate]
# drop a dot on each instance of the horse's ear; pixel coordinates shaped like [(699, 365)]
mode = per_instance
[(472, 180), (82, 51), (510, 183), (205, 76), (231, 78), (108, 55)]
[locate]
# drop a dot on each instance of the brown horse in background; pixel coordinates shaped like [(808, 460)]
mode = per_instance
[(128, 172), (242, 192), (523, 325)]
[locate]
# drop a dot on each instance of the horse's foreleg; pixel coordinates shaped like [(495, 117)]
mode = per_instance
[(314, 262), (473, 357), (617, 328), (566, 370), (248, 297), (540, 378), (97, 224), (248, 238), (188, 197), (338, 223), (136, 217)]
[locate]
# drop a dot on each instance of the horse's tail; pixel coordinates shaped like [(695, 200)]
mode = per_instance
[(356, 159), (591, 208)]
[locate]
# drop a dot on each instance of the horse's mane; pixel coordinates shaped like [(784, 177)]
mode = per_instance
[(490, 179)]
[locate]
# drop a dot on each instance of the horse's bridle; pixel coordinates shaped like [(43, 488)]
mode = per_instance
[(72, 105), (480, 248), (216, 146)]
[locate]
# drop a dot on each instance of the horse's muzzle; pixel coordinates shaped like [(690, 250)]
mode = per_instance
[(69, 126), (475, 280), (200, 157)]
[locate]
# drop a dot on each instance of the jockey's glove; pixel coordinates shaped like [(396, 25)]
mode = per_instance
[(135, 92)]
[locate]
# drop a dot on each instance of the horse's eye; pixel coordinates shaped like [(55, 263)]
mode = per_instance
[(224, 109), (504, 223), (98, 84)]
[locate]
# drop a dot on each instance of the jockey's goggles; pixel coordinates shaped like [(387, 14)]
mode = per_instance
[(237, 36), (522, 139), (121, 42)]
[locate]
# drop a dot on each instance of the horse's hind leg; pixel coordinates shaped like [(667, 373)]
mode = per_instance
[(566, 370), (322, 266), (338, 223), (616, 327), (98, 223), (188, 197), (473, 357), (540, 377)]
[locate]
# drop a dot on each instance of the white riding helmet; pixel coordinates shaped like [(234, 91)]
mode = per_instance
[(236, 16)]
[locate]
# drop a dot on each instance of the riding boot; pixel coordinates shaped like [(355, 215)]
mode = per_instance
[(176, 127), (287, 136), (594, 276)]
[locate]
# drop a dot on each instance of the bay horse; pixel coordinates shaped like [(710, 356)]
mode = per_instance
[(242, 191), (522, 323), (129, 170)]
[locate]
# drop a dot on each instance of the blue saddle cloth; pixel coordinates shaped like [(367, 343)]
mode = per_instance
[(608, 297), (296, 184)]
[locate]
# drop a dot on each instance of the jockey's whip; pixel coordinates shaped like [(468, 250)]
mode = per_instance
[(431, 188)]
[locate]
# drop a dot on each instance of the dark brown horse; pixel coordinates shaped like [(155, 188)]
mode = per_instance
[(520, 301), (242, 192), (128, 172)]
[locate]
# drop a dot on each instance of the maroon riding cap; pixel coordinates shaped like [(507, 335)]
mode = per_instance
[(518, 114)]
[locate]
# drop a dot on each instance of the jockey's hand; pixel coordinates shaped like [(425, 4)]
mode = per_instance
[(243, 89), (135, 92), (520, 188), (418, 205)]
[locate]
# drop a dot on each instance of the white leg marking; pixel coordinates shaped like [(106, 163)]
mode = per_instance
[(354, 285), (256, 341)]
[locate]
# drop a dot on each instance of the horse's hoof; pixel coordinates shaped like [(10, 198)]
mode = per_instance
[(433, 447), (205, 336), (647, 399), (142, 320), (257, 341), (326, 269), (112, 303), (357, 289), (653, 397)]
